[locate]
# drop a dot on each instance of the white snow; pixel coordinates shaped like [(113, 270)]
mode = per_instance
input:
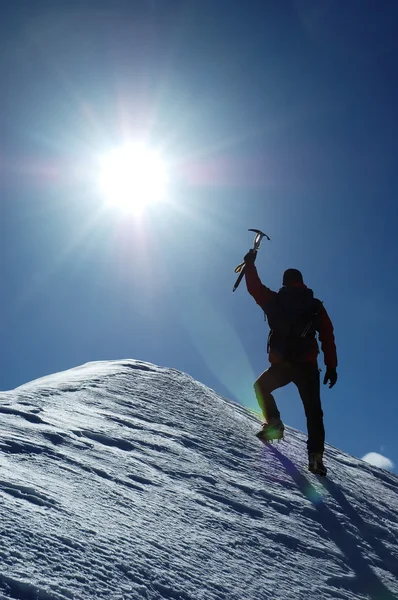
[(378, 460), (124, 480)]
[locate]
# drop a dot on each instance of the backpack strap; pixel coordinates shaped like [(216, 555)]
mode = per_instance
[(314, 315)]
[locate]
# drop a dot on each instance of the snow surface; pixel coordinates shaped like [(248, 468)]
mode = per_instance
[(125, 480), (378, 460)]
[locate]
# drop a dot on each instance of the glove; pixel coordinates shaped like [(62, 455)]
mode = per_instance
[(250, 257), (330, 376)]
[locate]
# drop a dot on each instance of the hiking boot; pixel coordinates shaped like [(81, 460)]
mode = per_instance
[(273, 430), (315, 464)]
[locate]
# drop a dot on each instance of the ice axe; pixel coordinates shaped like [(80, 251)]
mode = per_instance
[(256, 245)]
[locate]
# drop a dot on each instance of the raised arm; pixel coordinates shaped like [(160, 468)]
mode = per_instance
[(258, 290)]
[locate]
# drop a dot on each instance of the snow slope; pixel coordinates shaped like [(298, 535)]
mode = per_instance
[(124, 480)]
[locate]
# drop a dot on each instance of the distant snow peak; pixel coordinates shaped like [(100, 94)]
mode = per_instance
[(378, 460)]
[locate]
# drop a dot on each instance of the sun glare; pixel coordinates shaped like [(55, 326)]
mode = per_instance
[(133, 176)]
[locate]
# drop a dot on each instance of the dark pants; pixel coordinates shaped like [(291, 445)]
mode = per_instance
[(306, 377)]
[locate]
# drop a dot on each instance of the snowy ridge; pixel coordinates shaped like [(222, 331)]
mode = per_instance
[(125, 480)]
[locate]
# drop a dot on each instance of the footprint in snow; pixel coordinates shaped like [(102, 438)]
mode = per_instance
[(28, 416), (28, 493)]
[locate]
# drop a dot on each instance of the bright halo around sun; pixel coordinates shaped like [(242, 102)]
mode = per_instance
[(132, 177)]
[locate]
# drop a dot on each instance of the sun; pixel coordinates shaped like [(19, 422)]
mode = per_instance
[(132, 177)]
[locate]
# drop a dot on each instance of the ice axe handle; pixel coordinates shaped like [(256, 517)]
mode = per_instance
[(241, 268), (237, 282)]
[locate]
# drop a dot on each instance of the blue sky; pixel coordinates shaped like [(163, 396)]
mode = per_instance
[(276, 115)]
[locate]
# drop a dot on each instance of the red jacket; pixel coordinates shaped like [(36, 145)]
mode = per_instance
[(262, 295)]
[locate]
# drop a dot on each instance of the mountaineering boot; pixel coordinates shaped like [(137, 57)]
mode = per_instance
[(273, 430), (315, 464)]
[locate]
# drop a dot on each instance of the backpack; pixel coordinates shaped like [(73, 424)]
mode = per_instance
[(293, 317)]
